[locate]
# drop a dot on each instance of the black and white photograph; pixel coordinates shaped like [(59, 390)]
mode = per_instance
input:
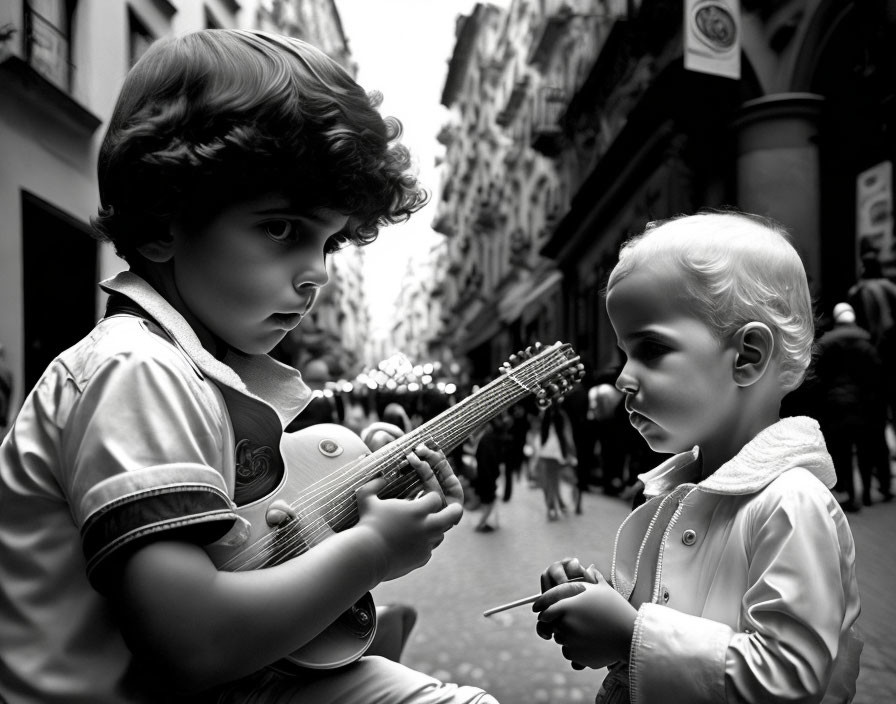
[(447, 352)]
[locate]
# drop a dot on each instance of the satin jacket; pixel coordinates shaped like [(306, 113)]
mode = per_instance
[(754, 594)]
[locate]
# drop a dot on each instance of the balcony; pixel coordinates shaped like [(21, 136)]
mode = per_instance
[(512, 107), (47, 49), (35, 69), (547, 132), (550, 33)]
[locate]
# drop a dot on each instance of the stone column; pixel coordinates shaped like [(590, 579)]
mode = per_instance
[(777, 168)]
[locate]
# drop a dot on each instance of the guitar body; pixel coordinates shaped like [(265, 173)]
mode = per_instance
[(308, 455)]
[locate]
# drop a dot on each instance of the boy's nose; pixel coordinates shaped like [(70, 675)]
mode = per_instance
[(311, 278)]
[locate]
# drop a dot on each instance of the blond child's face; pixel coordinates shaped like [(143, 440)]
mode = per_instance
[(678, 378), (251, 274)]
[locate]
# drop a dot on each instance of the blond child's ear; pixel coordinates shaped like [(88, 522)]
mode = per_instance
[(754, 346)]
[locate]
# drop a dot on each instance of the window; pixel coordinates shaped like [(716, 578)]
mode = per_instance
[(139, 38), (211, 22), (48, 39)]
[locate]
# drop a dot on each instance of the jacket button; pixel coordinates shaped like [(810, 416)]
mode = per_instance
[(689, 537), (666, 596)]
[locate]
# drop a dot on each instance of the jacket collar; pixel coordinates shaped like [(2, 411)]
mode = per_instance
[(257, 376), (791, 442)]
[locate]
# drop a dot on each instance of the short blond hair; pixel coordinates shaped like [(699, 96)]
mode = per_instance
[(736, 268)]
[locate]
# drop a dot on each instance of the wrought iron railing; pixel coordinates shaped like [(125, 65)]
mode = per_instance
[(47, 49)]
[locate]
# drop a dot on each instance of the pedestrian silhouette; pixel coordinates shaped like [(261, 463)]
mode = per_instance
[(517, 432), (554, 450), (491, 449), (852, 406)]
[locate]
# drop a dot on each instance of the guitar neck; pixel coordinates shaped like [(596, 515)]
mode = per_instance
[(448, 429)]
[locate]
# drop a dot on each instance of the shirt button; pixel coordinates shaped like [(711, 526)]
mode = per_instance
[(689, 537)]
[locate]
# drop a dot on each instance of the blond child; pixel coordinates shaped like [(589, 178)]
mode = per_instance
[(735, 581)]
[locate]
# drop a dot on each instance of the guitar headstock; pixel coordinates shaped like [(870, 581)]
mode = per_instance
[(548, 372)]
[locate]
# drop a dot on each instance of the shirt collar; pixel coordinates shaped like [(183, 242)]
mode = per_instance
[(258, 376), (791, 442)]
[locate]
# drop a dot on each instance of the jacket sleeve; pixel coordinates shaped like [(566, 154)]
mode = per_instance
[(799, 602)]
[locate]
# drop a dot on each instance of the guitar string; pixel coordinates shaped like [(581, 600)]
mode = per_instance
[(347, 507), (398, 456), (394, 458), (343, 508), (338, 511), (335, 514), (311, 531)]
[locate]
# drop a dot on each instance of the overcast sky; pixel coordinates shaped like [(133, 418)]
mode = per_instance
[(402, 48)]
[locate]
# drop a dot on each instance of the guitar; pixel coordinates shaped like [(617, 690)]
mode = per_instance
[(325, 464)]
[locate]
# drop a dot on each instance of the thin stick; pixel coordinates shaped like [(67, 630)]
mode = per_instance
[(520, 602)]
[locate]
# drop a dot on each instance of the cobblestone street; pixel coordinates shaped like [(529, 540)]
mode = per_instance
[(473, 571)]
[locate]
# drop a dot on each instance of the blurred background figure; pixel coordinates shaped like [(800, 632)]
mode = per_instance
[(849, 380), (576, 405), (554, 450), (491, 450), (5, 392), (612, 430), (396, 414), (515, 456), (873, 298)]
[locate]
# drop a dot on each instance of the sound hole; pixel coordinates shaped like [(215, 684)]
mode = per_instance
[(360, 618)]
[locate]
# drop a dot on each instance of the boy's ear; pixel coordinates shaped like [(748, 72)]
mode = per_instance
[(158, 251), (754, 345)]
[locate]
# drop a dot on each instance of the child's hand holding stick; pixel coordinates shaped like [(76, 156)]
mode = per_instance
[(568, 570)]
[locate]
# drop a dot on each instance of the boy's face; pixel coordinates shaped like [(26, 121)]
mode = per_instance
[(251, 273), (678, 377)]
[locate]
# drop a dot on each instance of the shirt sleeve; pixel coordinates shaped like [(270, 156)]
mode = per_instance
[(800, 593), (145, 444)]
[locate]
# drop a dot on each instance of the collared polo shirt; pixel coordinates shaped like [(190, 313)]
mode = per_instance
[(131, 435)]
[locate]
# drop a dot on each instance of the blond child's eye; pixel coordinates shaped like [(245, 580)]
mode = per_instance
[(279, 230), (651, 350)]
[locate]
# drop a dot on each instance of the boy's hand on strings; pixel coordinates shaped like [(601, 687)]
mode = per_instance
[(404, 533), (591, 621), (435, 470), (436, 473)]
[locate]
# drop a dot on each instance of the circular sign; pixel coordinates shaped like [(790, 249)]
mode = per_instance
[(714, 25)]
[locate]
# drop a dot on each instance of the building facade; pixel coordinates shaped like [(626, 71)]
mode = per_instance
[(504, 190), (61, 65), (612, 132)]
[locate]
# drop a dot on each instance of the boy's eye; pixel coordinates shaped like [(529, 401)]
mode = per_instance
[(280, 230)]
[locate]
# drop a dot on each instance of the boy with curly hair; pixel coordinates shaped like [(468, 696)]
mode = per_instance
[(735, 581), (234, 163)]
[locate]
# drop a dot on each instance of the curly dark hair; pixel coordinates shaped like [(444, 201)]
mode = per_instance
[(216, 116)]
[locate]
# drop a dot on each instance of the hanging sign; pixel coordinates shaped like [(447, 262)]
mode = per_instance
[(712, 37)]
